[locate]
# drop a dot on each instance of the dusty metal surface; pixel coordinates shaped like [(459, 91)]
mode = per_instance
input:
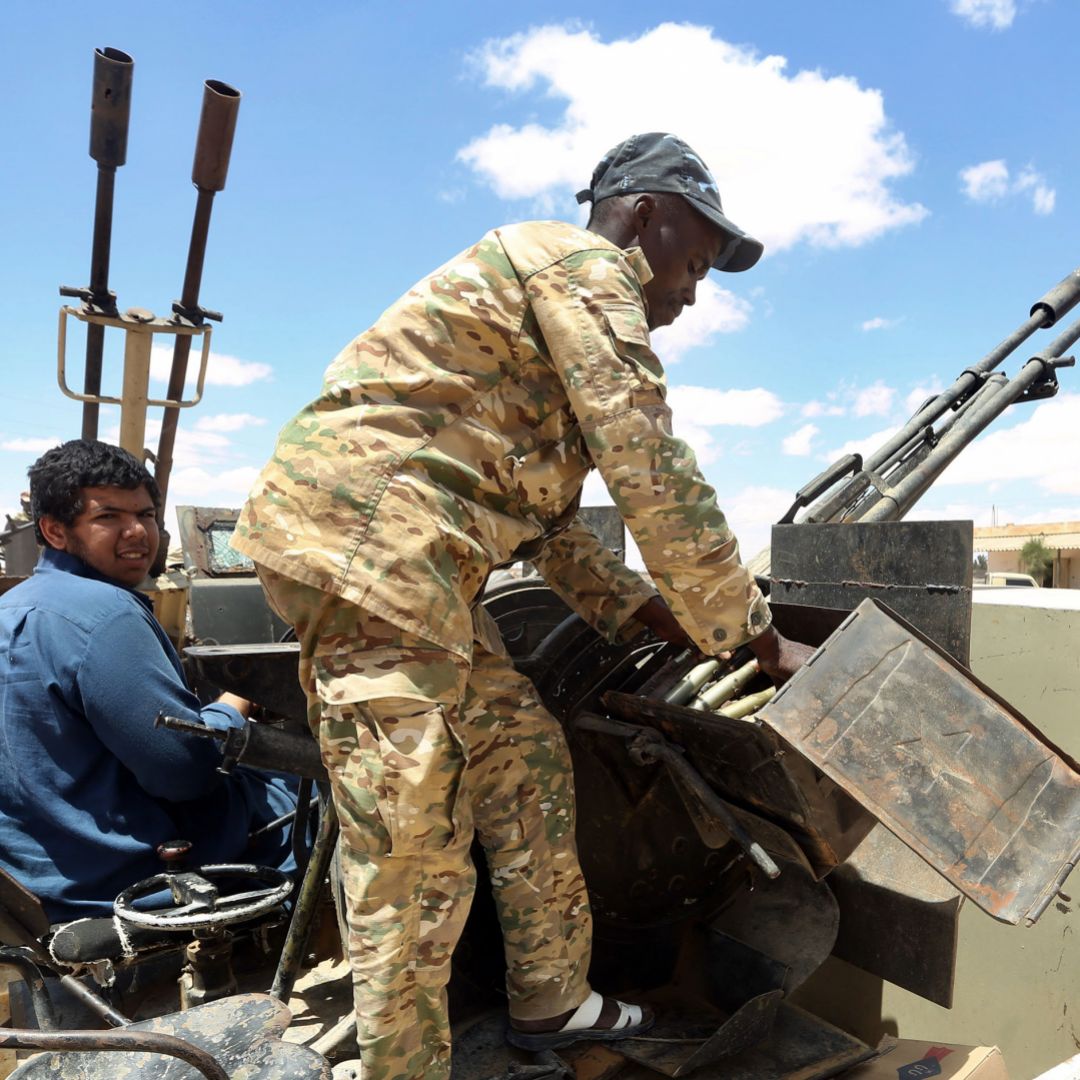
[(685, 1039), (22, 918), (242, 1034), (799, 1047), (166, 1051), (921, 569), (262, 673), (232, 611), (746, 764), (900, 918), (940, 760), (791, 920)]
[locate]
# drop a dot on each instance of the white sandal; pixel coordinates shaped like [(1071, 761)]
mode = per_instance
[(581, 1026)]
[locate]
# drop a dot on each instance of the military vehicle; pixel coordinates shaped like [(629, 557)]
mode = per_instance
[(733, 837)]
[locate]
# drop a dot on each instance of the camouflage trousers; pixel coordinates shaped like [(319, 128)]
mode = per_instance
[(423, 748)]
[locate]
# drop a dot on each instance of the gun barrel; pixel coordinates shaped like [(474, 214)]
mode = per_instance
[(915, 484), (1060, 300), (110, 111), (213, 147), (1045, 312), (217, 125), (110, 107)]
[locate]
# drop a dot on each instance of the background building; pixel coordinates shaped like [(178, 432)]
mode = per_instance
[(1003, 544)]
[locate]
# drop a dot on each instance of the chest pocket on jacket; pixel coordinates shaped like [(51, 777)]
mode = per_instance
[(630, 332)]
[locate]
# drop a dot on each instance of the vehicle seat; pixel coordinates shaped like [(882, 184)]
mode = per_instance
[(242, 1034)]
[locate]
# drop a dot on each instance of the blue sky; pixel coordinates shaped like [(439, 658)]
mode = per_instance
[(909, 166)]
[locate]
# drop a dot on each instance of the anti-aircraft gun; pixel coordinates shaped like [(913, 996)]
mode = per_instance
[(729, 833)]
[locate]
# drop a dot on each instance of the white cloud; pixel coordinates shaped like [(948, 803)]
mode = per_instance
[(32, 445), (703, 442), (989, 182), (228, 422), (706, 407), (221, 369), (1043, 198), (814, 409), (995, 14), (980, 513), (799, 443), (874, 400), (1043, 449), (1060, 513), (192, 449), (208, 487), (920, 394), (752, 512), (830, 132), (864, 447), (878, 323), (716, 311), (986, 182)]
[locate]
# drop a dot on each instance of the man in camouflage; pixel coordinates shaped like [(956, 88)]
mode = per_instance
[(453, 437)]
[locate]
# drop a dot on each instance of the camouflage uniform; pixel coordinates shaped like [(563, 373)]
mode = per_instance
[(453, 435)]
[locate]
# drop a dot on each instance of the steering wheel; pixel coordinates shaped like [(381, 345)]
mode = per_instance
[(197, 901)]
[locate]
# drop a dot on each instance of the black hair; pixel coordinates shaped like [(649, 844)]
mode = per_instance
[(59, 475)]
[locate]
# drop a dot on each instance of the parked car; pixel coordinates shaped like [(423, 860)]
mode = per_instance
[(1001, 578)]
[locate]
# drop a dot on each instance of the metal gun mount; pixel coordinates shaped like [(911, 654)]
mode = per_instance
[(109, 117), (139, 328)]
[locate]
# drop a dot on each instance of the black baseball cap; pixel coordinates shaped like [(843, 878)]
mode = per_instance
[(657, 161)]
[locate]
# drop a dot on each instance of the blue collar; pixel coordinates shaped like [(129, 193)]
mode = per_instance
[(51, 560)]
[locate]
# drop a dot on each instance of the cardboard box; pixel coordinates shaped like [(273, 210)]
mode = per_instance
[(914, 1059)]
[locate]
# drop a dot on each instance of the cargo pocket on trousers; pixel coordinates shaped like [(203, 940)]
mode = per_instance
[(398, 769)]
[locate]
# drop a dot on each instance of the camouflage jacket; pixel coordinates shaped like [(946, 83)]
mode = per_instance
[(461, 426)]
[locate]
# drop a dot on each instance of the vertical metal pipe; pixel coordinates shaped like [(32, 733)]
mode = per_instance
[(213, 147), (110, 110), (136, 391), (303, 915)]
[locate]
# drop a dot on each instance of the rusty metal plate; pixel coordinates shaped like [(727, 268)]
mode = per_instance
[(921, 569), (746, 764), (943, 762)]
